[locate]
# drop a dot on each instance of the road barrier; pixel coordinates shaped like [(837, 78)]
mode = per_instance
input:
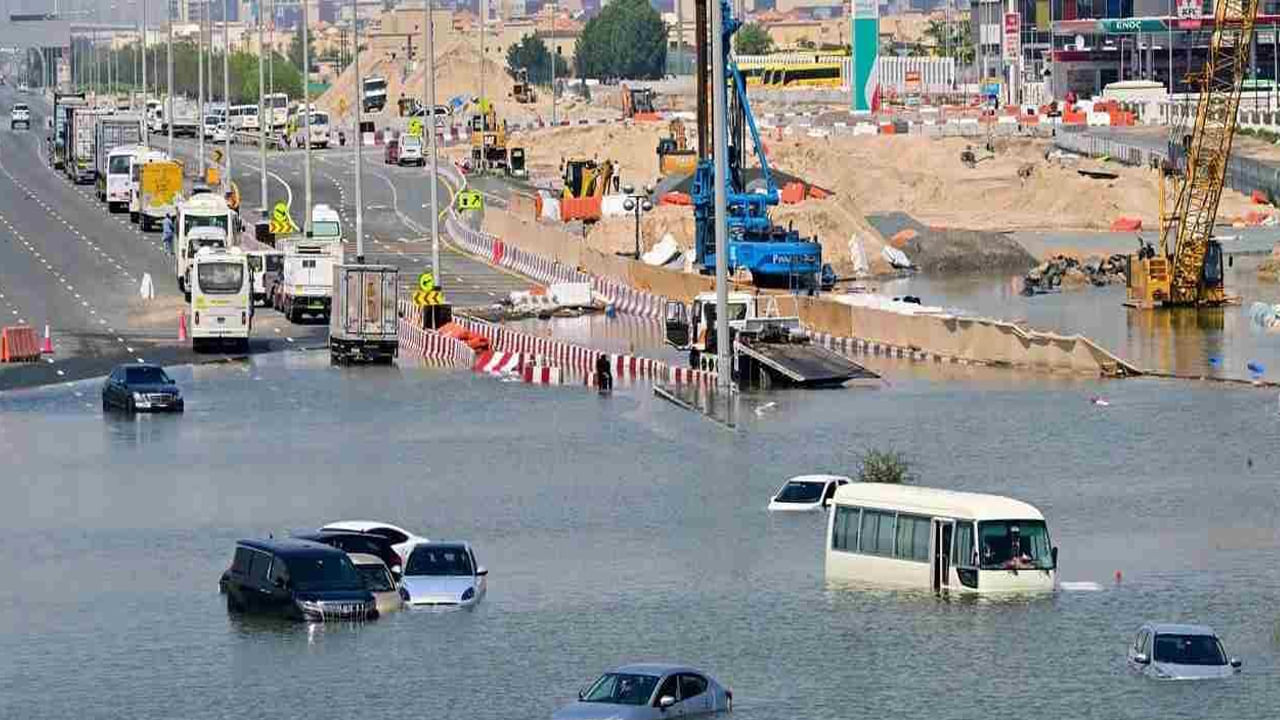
[(18, 343), (418, 342)]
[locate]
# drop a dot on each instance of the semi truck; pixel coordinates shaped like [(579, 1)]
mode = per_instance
[(79, 161), (363, 321), (110, 133)]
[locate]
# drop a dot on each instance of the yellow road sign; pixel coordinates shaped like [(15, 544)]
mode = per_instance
[(415, 127), (281, 223), (426, 282), (425, 298), (470, 200)]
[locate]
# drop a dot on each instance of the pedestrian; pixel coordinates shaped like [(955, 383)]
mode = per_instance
[(167, 235), (604, 373), (342, 138)]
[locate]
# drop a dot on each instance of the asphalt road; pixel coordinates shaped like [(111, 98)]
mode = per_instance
[(68, 263)]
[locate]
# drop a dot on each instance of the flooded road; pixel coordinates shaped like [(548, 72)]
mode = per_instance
[(619, 529)]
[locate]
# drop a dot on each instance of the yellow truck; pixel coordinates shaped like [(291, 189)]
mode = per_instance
[(158, 189)]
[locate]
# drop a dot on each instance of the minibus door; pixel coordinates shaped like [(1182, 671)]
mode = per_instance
[(943, 532)]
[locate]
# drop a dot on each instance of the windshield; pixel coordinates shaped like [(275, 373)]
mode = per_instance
[(275, 263), (328, 572), (319, 119), (621, 689), (447, 560), (195, 221), (220, 278), (119, 165), (376, 578), (801, 492), (197, 243), (325, 229), (1189, 650), (277, 101), (412, 141), (1015, 545), (145, 376), (375, 85)]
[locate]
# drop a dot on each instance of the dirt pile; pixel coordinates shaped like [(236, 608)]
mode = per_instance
[(632, 147)]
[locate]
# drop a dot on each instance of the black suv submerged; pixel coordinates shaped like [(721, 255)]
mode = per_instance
[(296, 579)]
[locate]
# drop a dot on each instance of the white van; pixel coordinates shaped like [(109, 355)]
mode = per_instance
[(243, 118), (204, 220), (266, 268), (897, 536), (120, 176), (319, 129), (221, 298)]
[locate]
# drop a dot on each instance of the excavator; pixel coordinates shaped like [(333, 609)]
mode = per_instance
[(489, 151), (1186, 269), (675, 157), (586, 177), (636, 101), (521, 90)]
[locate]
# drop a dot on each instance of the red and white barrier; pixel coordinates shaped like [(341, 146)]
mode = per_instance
[(544, 375), (416, 342), (499, 363)]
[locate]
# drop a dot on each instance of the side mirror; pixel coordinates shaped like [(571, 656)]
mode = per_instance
[(1142, 659), (482, 571), (1236, 663), (665, 702), (582, 694), (395, 570), (1053, 552)]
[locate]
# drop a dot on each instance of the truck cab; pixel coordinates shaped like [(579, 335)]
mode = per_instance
[(693, 327), (120, 176)]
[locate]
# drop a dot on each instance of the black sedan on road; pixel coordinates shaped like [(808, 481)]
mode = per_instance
[(135, 388)]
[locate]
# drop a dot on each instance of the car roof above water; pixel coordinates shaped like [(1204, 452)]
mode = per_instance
[(655, 668), (1180, 629), (291, 547)]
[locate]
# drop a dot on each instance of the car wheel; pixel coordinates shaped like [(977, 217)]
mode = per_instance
[(232, 605)]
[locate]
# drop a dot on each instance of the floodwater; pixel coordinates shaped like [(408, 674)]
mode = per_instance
[(618, 529)]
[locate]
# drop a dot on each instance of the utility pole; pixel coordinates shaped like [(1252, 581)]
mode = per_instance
[(724, 367), (306, 121), (168, 81), (227, 96), (555, 7), (200, 90), (484, 12), (262, 124), (429, 117), (146, 129), (355, 62)]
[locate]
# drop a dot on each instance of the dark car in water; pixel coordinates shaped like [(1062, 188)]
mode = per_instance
[(135, 388), (295, 579), (357, 542)]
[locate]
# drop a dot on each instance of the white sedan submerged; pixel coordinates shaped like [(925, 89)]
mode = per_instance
[(807, 492), (443, 574)]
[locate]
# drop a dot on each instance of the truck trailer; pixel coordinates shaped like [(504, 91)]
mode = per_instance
[(363, 323)]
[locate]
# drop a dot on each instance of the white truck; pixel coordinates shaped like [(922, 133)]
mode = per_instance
[(204, 220), (113, 135), (221, 298), (363, 324), (374, 94), (117, 179), (306, 282)]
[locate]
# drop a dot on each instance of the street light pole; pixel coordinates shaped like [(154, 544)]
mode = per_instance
[(146, 121), (168, 82), (200, 90), (554, 8), (429, 117), (355, 33), (226, 94), (306, 119), (262, 124), (724, 368)]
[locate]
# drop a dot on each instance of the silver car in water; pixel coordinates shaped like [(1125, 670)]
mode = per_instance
[(649, 691), (1166, 651)]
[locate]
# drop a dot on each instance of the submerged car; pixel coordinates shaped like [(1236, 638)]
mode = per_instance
[(649, 691), (807, 492), (358, 542), (141, 387), (443, 574), (295, 579), (402, 540), (1166, 651), (377, 580)]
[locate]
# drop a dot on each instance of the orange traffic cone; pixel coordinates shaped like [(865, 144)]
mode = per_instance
[(182, 326), (47, 348)]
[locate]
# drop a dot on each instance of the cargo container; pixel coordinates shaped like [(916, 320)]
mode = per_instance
[(363, 325), (112, 132), (79, 159)]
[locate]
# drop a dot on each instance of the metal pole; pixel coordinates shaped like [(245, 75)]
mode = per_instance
[(429, 108), (262, 124), (355, 62), (146, 122), (200, 91), (271, 59), (168, 82), (719, 122), (306, 120), (554, 8), (1171, 49), (484, 11), (226, 93)]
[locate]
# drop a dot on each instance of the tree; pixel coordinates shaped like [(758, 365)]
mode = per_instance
[(752, 39), (884, 466), (950, 40), (295, 49), (626, 40), (532, 54)]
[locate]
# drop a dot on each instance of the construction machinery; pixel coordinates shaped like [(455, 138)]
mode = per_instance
[(675, 157), (586, 177), (1186, 267), (636, 101), (521, 90), (488, 139), (777, 257)]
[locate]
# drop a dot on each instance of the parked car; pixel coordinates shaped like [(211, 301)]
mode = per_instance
[(806, 492), (411, 151), (220, 132), (377, 580), (392, 154), (443, 573), (358, 542), (649, 691), (1180, 652), (141, 387), (295, 579), (20, 114), (402, 540)]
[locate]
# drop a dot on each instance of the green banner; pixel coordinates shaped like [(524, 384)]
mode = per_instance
[(1125, 26)]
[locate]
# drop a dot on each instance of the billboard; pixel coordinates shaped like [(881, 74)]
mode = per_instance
[(865, 32), (1012, 36)]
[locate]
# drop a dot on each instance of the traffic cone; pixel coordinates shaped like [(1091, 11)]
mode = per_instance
[(182, 326), (47, 348)]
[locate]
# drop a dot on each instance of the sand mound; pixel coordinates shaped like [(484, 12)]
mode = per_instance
[(633, 147)]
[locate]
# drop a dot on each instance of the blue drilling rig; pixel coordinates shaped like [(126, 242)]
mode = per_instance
[(778, 257)]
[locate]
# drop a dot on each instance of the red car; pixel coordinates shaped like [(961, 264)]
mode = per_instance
[(392, 156)]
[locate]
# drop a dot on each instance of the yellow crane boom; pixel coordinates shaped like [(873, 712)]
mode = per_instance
[(1188, 268)]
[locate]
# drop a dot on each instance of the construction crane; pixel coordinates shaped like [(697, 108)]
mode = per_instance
[(1186, 269), (777, 257)]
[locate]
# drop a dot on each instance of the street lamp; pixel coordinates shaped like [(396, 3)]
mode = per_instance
[(637, 204)]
